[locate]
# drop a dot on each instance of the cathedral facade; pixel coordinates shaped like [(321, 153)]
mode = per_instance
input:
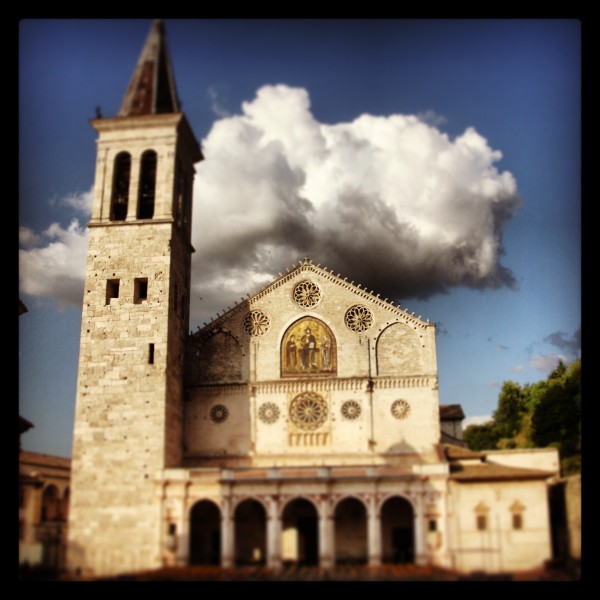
[(300, 426)]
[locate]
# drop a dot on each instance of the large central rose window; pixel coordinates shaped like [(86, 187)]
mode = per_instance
[(308, 411)]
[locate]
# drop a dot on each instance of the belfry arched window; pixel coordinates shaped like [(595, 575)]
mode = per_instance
[(120, 189), (147, 189)]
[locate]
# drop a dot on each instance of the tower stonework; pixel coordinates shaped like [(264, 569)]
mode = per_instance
[(135, 319)]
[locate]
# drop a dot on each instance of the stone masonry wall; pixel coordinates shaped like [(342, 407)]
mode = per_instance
[(120, 424)]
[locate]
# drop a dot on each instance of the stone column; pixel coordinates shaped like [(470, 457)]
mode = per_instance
[(374, 532), (183, 539), (165, 177), (274, 534), (103, 186), (227, 534), (326, 539), (420, 547), (134, 186)]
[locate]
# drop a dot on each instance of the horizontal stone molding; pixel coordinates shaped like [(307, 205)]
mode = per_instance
[(220, 390), (404, 382), (318, 385), (136, 222)]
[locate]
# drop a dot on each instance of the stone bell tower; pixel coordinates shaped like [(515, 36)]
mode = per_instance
[(134, 322)]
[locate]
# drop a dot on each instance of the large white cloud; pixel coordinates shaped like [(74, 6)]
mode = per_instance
[(81, 202), (57, 269), (390, 202), (546, 363)]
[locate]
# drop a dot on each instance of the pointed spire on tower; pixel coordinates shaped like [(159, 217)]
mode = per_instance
[(152, 89)]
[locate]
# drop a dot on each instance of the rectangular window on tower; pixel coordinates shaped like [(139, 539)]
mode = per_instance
[(517, 521), (140, 290), (112, 290), (481, 522)]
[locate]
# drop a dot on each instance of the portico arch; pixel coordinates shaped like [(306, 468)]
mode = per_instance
[(397, 531), (350, 519), (250, 533), (205, 533), (51, 504), (300, 533)]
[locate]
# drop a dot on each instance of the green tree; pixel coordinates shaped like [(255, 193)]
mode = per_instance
[(512, 406), (482, 437), (559, 371), (543, 414), (534, 392), (556, 419)]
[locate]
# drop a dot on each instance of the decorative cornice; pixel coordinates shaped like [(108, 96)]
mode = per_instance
[(222, 390), (419, 381), (305, 266), (318, 385), (137, 222)]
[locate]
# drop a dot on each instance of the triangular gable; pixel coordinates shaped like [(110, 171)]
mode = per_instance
[(306, 265)]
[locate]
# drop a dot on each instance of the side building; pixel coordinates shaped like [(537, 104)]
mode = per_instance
[(44, 489)]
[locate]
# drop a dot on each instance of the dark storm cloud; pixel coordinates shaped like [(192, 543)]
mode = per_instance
[(568, 344)]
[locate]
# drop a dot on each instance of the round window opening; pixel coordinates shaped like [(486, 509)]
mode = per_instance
[(218, 413), (307, 294), (351, 410), (358, 318), (256, 323), (400, 409), (308, 411), (268, 412)]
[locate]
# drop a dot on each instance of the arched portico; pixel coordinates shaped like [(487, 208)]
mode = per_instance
[(205, 534), (397, 531), (350, 522), (300, 533), (250, 533)]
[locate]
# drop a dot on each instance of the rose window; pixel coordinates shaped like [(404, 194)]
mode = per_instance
[(400, 409), (358, 318), (268, 412), (307, 294), (256, 322), (351, 409), (308, 411), (218, 413)]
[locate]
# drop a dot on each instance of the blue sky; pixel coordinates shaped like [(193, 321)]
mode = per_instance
[(466, 134)]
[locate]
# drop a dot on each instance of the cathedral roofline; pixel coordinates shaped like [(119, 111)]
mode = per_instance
[(46, 460), (494, 472), (451, 412), (306, 264)]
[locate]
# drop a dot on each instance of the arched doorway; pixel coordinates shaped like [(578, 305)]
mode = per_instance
[(250, 533), (397, 531), (205, 534), (300, 536), (351, 532)]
